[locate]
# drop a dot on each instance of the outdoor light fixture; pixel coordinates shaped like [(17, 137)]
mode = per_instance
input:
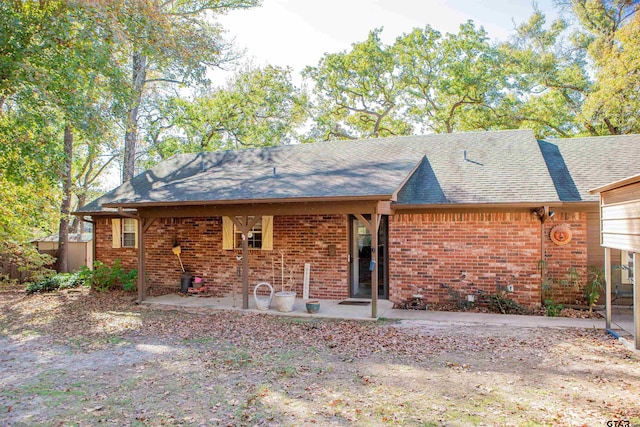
[(543, 213)]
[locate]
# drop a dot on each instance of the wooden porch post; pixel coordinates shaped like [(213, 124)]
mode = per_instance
[(142, 291), (375, 225), (245, 224), (607, 287), (245, 271), (143, 226), (636, 299)]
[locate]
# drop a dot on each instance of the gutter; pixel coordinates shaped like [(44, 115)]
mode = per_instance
[(586, 206), (183, 203)]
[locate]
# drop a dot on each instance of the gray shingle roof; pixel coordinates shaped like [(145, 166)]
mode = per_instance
[(590, 162), (479, 167), (460, 168)]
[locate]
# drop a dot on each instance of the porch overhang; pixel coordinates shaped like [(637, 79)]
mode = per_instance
[(244, 214), (297, 207)]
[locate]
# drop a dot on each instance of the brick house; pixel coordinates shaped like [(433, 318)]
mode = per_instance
[(455, 214)]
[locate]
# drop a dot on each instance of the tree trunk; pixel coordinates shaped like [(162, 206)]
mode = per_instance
[(139, 75), (78, 223), (63, 235)]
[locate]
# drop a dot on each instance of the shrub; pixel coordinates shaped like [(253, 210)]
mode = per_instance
[(103, 278), (31, 265), (595, 284), (501, 304), (552, 309), (53, 283)]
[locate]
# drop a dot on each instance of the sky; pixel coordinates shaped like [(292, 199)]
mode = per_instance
[(297, 33)]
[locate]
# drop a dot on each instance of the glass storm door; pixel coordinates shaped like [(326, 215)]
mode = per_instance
[(360, 259)]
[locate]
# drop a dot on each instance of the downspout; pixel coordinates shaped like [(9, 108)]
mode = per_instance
[(543, 214)]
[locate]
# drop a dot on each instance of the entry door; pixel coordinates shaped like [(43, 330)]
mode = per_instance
[(360, 259)]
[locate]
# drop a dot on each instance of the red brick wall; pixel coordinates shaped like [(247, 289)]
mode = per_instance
[(302, 238), (105, 253), (476, 251), (560, 259), (468, 251)]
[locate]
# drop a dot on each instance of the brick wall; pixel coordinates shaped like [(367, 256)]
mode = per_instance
[(450, 254), (466, 252), (302, 238), (560, 259), (105, 253)]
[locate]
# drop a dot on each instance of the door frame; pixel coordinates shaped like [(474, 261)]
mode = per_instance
[(383, 256)]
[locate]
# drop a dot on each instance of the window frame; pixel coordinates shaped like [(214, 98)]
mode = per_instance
[(131, 234), (118, 233), (231, 235), (237, 236)]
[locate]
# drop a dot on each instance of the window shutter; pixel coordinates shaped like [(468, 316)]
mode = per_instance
[(135, 222), (116, 233), (227, 233), (267, 233)]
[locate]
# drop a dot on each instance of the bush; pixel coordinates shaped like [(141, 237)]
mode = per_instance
[(501, 304), (552, 309), (31, 265), (103, 278), (53, 283), (595, 284)]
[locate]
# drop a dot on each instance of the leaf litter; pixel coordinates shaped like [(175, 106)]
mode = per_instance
[(86, 358)]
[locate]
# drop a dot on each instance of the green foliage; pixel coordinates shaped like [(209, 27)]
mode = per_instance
[(451, 82), (548, 80), (500, 303), (259, 107), (612, 106), (594, 286), (357, 93), (170, 44), (550, 286), (552, 309), (32, 265), (58, 69), (103, 278), (58, 281)]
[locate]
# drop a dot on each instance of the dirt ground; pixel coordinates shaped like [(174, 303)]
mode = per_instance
[(83, 358)]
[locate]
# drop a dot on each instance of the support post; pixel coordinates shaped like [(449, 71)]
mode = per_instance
[(375, 226), (142, 291), (607, 287), (245, 271), (636, 299), (245, 224)]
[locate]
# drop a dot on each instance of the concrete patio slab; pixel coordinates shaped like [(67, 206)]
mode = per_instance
[(331, 309)]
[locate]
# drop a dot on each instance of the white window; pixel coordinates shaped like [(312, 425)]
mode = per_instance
[(124, 233), (260, 237), (129, 232), (255, 236)]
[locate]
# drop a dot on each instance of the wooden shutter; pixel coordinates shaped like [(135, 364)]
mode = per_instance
[(135, 224), (116, 233), (227, 233), (267, 233)]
